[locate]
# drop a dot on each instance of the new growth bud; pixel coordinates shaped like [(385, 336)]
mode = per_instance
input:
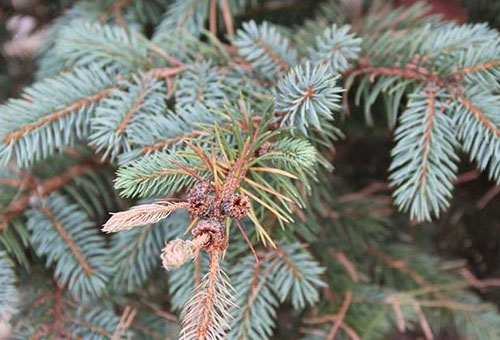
[(177, 252), (236, 206), (200, 202)]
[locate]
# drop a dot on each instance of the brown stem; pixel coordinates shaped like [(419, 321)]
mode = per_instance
[(351, 333), (288, 263), (73, 108), (161, 52), (57, 309), (17, 206), (348, 266), (213, 17), (11, 182), (490, 195), (407, 72), (236, 174), (120, 5), (274, 57), (171, 141), (399, 265), (202, 155), (197, 271), (431, 111), (228, 19), (365, 192), (69, 241), (240, 227), (255, 287), (479, 68), (252, 292), (476, 283), (479, 114), (209, 301), (398, 314), (132, 112), (166, 72), (126, 320), (466, 177), (340, 316), (117, 9), (188, 171), (424, 324)]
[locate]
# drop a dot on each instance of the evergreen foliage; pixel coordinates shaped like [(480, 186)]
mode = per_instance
[(256, 299), (65, 235), (8, 292), (98, 44), (267, 50), (199, 85), (209, 131), (305, 95), (135, 252), (93, 322), (336, 47), (424, 182), (128, 115), (53, 113), (187, 15), (297, 275)]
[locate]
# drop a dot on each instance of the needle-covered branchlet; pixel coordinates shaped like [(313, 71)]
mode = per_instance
[(208, 313), (140, 215)]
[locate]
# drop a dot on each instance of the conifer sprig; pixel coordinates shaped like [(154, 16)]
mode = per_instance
[(446, 58), (306, 95), (65, 235), (9, 294), (207, 315), (53, 113), (209, 203), (424, 181), (231, 136), (265, 48), (337, 48), (128, 115)]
